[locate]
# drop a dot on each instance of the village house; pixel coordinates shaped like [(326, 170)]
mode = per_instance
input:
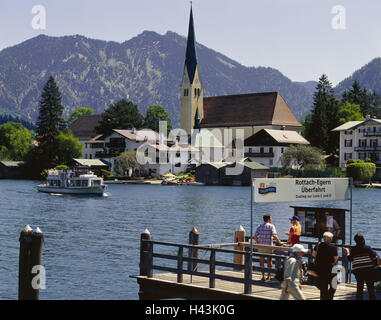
[(360, 140), (267, 145)]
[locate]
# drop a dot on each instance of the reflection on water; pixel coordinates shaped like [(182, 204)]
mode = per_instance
[(92, 243)]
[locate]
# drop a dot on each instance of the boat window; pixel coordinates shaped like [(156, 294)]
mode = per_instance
[(95, 182), (84, 183)]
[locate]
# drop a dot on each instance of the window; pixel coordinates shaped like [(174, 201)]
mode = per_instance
[(282, 150), (362, 142), (270, 150), (262, 150), (198, 91), (270, 162), (373, 142), (348, 143), (347, 156), (362, 155), (91, 156)]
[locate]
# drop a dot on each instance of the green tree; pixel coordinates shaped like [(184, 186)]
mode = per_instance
[(360, 170), (359, 96), (78, 113), (154, 115), (49, 124), (120, 115), (302, 156), (349, 112), (125, 161), (67, 148), (323, 118), (15, 141)]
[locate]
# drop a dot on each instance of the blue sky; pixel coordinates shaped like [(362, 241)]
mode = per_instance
[(294, 36)]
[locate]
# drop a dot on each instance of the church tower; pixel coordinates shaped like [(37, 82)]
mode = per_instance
[(191, 92)]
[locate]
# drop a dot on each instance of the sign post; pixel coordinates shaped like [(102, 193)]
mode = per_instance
[(298, 189)]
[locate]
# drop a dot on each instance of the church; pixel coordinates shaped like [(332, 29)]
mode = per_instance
[(251, 112)]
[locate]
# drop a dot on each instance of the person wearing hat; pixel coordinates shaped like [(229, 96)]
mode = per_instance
[(293, 273), (326, 256), (363, 260), (295, 231)]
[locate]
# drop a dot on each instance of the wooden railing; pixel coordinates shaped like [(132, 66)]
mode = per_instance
[(189, 254), (149, 257)]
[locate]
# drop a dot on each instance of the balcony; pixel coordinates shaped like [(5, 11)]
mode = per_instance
[(259, 154), (372, 133), (116, 145), (368, 148)]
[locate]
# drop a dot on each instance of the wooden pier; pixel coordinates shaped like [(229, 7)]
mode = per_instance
[(215, 273)]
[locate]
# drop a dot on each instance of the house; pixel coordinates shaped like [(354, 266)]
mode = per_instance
[(84, 130), (216, 173), (360, 140), (12, 170), (268, 145)]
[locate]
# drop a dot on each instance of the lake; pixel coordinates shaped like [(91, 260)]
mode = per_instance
[(92, 243)]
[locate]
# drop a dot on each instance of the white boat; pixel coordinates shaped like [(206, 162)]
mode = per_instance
[(78, 181)]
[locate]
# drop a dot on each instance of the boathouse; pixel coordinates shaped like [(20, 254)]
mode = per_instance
[(216, 173), (12, 170)]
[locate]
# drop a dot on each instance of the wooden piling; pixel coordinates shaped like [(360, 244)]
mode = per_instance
[(239, 236), (30, 256), (145, 254), (194, 239)]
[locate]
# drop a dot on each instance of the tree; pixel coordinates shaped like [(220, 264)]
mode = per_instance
[(302, 156), (49, 125), (155, 114), (360, 170), (67, 148), (125, 161), (359, 96), (78, 113), (120, 115), (15, 141), (324, 118), (349, 112), (50, 122)]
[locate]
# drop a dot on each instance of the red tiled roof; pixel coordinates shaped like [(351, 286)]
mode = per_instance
[(267, 108)]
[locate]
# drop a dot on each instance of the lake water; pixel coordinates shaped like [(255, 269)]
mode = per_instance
[(92, 243)]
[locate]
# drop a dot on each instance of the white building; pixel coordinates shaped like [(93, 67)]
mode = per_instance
[(360, 140), (267, 146)]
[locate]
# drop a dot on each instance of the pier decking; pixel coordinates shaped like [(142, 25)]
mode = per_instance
[(165, 286)]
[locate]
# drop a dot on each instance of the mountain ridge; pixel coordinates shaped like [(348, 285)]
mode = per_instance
[(146, 69)]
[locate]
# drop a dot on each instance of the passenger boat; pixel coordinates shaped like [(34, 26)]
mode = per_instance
[(76, 181)]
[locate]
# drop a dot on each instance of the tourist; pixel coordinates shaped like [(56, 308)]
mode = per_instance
[(326, 256), (264, 235), (332, 226), (295, 231), (363, 260), (293, 273)]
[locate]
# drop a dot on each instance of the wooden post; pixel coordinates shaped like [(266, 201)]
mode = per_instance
[(247, 286), (194, 237), (30, 263), (345, 264), (180, 265), (239, 236), (212, 269), (146, 251)]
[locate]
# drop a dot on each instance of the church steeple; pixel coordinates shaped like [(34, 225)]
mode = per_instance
[(191, 55), (191, 91)]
